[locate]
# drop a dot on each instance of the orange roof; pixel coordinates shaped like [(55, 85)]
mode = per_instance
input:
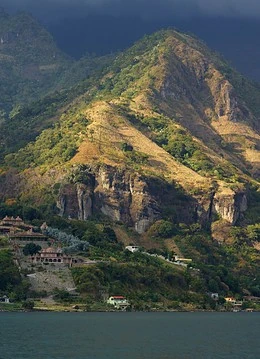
[(51, 250), (118, 297)]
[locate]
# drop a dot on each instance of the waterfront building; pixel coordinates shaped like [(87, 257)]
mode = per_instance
[(118, 301)]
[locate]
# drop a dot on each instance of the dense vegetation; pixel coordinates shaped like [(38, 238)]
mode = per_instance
[(11, 282), (161, 98), (30, 61), (145, 281), (152, 283)]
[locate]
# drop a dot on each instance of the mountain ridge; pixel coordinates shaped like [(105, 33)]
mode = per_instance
[(158, 85), (157, 146), (30, 60)]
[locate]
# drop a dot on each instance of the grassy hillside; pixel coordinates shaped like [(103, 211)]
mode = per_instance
[(165, 131), (32, 65), (30, 61), (166, 98)]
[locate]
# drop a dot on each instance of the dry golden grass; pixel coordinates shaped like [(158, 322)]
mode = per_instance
[(109, 129), (88, 152), (243, 139), (125, 237), (257, 246), (172, 246), (225, 127), (252, 156), (221, 231)]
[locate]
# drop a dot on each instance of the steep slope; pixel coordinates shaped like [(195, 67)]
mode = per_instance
[(30, 62), (219, 112), (162, 146), (163, 132)]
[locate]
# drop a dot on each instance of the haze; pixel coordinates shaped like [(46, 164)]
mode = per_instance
[(49, 9)]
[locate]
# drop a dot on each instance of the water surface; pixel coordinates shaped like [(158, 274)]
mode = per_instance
[(129, 335)]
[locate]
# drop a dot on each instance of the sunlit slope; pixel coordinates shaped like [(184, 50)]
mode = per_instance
[(168, 108)]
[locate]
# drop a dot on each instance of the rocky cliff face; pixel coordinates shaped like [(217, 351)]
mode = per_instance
[(120, 195), (230, 206), (212, 88), (138, 202), (190, 134)]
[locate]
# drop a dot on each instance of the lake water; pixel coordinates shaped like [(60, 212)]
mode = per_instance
[(129, 335)]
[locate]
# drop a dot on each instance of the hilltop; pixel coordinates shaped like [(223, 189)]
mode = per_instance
[(31, 64), (167, 109), (29, 59), (162, 143)]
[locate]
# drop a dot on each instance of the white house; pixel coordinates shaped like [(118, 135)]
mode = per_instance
[(118, 301), (5, 299), (132, 248), (214, 296), (182, 260)]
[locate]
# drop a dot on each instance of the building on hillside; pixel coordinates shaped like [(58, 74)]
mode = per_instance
[(53, 255), (44, 226), (5, 299), (132, 248), (16, 229), (27, 236), (233, 304), (250, 298), (230, 300), (214, 296), (11, 225), (119, 302), (182, 260), (6, 229), (11, 221)]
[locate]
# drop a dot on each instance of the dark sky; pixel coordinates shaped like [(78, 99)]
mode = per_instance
[(232, 27), (50, 9)]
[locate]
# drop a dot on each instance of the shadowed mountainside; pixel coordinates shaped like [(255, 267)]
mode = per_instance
[(167, 108)]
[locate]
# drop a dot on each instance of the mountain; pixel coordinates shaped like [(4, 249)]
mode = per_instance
[(185, 115), (162, 142), (30, 62), (236, 38)]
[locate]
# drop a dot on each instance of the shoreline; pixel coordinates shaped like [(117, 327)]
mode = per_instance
[(48, 310)]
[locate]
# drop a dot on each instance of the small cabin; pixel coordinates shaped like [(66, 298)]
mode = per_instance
[(132, 248), (5, 299)]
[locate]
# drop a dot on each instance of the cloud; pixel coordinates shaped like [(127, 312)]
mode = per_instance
[(143, 8)]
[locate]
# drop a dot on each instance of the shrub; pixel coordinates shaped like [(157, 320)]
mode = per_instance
[(162, 229), (31, 249), (126, 147), (29, 305)]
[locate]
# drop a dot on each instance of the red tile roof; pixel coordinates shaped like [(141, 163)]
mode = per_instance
[(118, 297)]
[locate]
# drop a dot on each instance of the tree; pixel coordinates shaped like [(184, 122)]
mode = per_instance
[(253, 232), (126, 147), (162, 229), (29, 305), (62, 295), (93, 234), (31, 249), (30, 213), (109, 234), (9, 274)]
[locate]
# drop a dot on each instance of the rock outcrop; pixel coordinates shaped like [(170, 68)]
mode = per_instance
[(120, 195), (230, 206), (136, 201), (139, 201)]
